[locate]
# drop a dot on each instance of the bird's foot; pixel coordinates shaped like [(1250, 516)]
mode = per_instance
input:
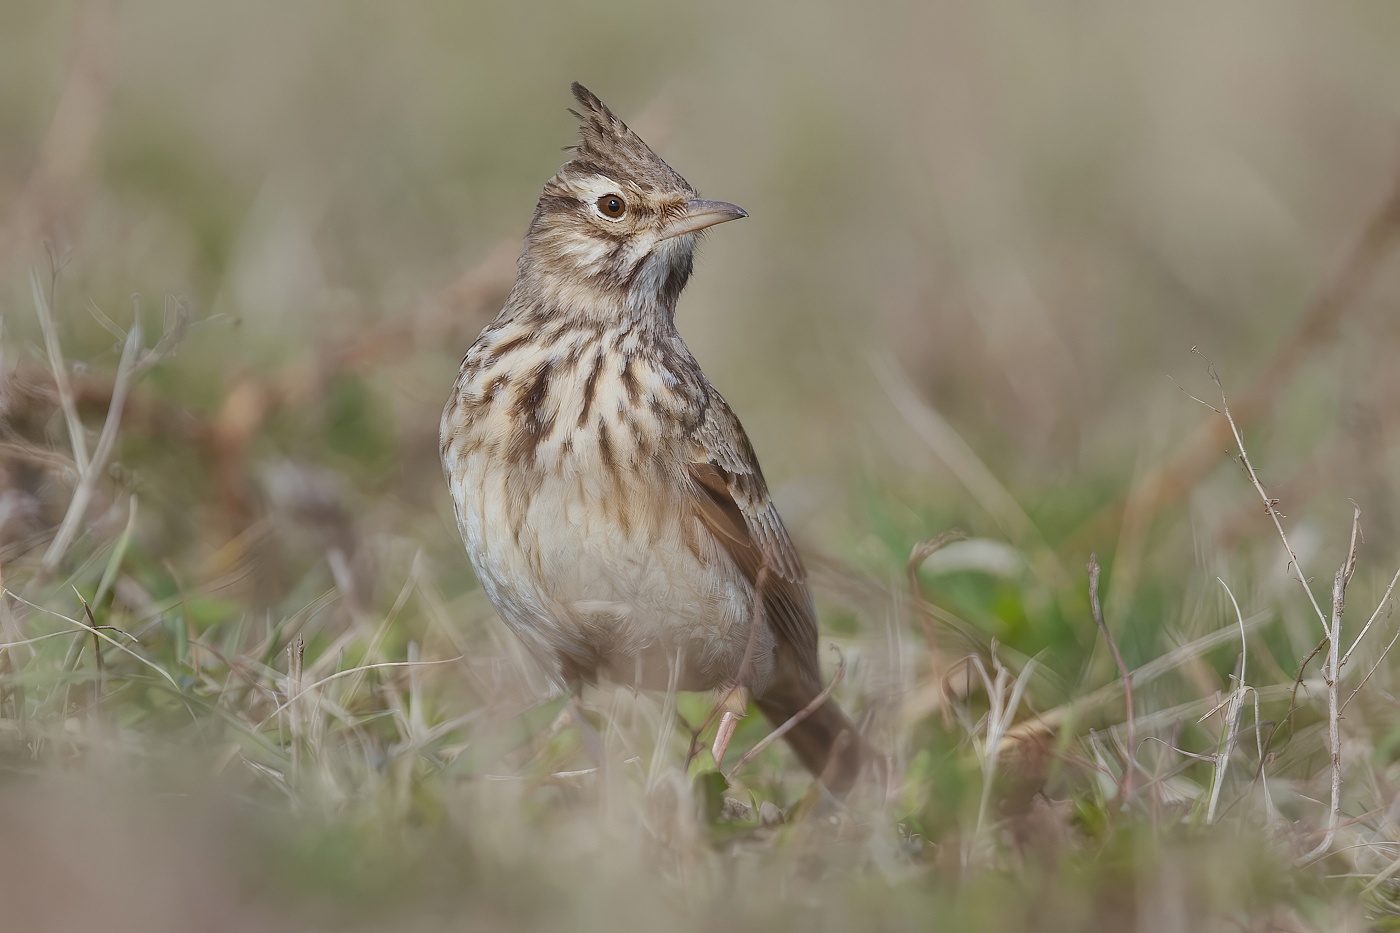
[(731, 709)]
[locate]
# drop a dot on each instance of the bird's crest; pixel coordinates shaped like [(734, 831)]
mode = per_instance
[(607, 146)]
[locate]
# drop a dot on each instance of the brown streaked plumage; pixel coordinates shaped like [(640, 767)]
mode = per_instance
[(610, 502)]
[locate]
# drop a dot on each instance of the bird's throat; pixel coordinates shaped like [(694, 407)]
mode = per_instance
[(609, 288)]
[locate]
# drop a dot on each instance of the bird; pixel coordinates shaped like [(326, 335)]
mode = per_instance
[(610, 502)]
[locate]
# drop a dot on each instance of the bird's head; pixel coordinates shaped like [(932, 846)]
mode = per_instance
[(615, 229)]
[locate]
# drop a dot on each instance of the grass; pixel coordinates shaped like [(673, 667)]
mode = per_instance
[(378, 753), (248, 682)]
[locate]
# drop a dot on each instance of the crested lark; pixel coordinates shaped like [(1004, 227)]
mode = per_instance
[(609, 499)]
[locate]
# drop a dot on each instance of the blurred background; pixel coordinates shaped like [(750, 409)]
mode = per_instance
[(994, 249)]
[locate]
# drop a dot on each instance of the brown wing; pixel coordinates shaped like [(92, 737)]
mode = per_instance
[(733, 503)]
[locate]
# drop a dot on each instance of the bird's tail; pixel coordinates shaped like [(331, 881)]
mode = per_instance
[(824, 738)]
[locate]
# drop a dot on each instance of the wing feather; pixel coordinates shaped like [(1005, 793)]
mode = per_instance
[(732, 502)]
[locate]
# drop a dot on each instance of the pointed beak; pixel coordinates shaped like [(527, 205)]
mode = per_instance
[(700, 214)]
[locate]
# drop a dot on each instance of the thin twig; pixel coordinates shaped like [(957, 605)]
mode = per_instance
[(1375, 615), (1298, 682), (1125, 787), (1386, 651), (1270, 503)]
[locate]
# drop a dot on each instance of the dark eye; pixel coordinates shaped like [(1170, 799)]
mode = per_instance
[(612, 205)]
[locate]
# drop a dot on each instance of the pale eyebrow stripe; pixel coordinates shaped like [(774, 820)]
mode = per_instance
[(595, 186)]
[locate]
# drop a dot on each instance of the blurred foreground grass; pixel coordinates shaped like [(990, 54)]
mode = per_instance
[(981, 238)]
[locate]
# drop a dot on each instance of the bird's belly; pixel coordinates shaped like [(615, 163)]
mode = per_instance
[(601, 577)]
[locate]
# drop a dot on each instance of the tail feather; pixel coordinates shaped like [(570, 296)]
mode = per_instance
[(824, 739)]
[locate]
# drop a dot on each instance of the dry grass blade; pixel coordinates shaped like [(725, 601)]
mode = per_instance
[(1201, 709), (1003, 699), (1225, 748), (36, 639), (1052, 719), (59, 367), (655, 768), (1229, 731), (350, 672), (87, 482), (97, 633)]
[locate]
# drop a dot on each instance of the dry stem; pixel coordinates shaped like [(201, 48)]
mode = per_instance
[(1331, 674), (87, 483), (60, 370)]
